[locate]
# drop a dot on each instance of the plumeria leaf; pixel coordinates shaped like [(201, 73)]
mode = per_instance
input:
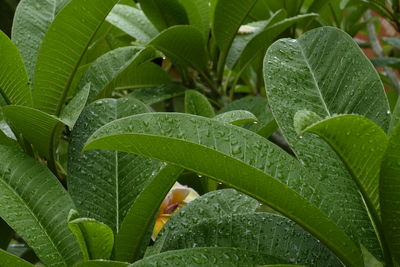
[(8, 259), (237, 117), (197, 104), (157, 94)]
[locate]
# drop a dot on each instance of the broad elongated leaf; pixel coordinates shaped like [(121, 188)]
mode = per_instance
[(71, 112), (164, 13), (133, 22), (31, 22), (197, 104), (252, 165), (389, 186), (8, 259), (361, 146), (237, 117), (14, 86), (104, 184), (325, 72), (228, 17), (95, 238), (184, 45), (106, 69), (258, 106), (63, 47), (37, 127), (224, 202), (206, 256), (259, 232), (36, 206), (145, 75), (153, 95), (198, 12)]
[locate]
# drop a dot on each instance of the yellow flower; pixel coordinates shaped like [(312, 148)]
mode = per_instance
[(177, 197)]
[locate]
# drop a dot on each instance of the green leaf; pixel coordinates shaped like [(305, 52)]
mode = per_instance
[(95, 238), (395, 120), (228, 17), (8, 259), (237, 117), (393, 62), (62, 50), (7, 141), (135, 232), (14, 86), (71, 112), (389, 185), (197, 104), (37, 127), (201, 145), (164, 13), (157, 94), (147, 74), (224, 202), (133, 22), (101, 263), (361, 144), (198, 12), (324, 71), (105, 70), (205, 256), (36, 206), (184, 45), (31, 22), (258, 106)]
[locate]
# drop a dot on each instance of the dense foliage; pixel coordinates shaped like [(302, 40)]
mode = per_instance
[(268, 109)]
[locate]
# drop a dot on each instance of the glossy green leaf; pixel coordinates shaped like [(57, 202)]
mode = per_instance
[(206, 256), (31, 22), (37, 127), (198, 12), (237, 117), (101, 263), (324, 71), (134, 235), (133, 22), (164, 13), (36, 206), (224, 202), (184, 45), (63, 47), (71, 112), (197, 104), (144, 75), (361, 144), (104, 184), (228, 17), (95, 238), (258, 106), (7, 141), (7, 259), (105, 70), (14, 86), (389, 186), (201, 145), (157, 94)]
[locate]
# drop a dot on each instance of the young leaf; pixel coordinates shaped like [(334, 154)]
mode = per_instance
[(37, 127), (8, 259), (361, 144), (14, 86), (133, 22), (389, 186), (36, 206), (164, 14), (205, 256), (197, 104), (200, 144), (184, 45), (157, 94), (324, 71), (31, 22), (62, 50), (95, 238)]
